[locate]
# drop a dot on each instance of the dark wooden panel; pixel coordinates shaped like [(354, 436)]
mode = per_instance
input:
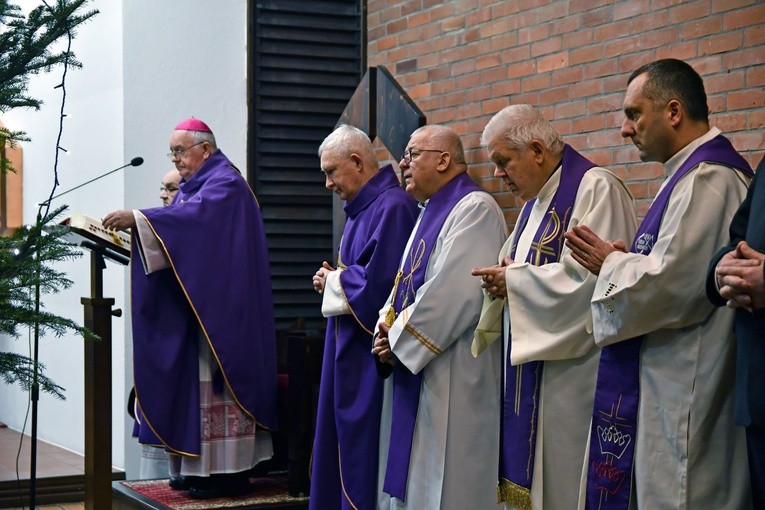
[(397, 114), (312, 7), (305, 62)]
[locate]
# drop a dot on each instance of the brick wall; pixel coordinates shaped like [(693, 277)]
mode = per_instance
[(464, 60)]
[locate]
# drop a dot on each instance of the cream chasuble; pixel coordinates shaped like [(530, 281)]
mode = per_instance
[(549, 321), (689, 454), (455, 450)]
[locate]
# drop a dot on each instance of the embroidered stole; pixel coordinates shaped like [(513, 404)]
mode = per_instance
[(406, 386), (520, 403), (617, 393)]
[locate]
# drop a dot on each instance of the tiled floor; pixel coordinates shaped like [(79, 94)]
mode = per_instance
[(51, 461)]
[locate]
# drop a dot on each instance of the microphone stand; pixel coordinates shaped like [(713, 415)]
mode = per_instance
[(133, 162), (35, 388)]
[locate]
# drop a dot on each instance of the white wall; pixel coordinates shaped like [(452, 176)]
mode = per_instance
[(93, 136), (147, 65)]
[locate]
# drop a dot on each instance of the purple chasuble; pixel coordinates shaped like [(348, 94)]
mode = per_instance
[(219, 283), (346, 445), (520, 403), (613, 431), (406, 385)]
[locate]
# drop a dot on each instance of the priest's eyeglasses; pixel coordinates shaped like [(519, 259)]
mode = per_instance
[(168, 189), (178, 152), (411, 154)]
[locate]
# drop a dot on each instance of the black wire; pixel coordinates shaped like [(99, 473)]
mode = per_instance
[(46, 204), (62, 86), (21, 442)]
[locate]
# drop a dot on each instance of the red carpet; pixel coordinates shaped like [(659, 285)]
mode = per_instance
[(265, 491)]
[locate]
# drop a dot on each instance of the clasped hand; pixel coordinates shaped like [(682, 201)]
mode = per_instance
[(320, 278), (381, 347), (740, 278), (590, 250)]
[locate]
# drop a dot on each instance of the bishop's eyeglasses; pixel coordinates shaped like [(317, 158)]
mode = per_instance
[(178, 152), (411, 154)]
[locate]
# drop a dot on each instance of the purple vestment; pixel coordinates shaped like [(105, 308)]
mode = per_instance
[(520, 403), (219, 283), (617, 393), (380, 218), (406, 385)]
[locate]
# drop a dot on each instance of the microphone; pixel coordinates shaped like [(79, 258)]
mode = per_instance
[(137, 161)]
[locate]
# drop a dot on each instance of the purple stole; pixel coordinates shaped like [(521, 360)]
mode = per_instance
[(406, 385), (617, 394), (520, 401)]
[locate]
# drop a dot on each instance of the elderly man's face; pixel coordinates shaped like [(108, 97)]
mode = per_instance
[(188, 155), (169, 188), (419, 166), (342, 174), (648, 127), (520, 170)]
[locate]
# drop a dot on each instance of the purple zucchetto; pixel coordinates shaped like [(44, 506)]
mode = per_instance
[(193, 124)]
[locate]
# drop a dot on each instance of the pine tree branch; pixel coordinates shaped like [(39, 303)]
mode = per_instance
[(25, 43), (27, 259), (15, 368)]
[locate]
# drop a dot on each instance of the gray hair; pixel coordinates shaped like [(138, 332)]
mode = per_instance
[(347, 139), (521, 124), (205, 136)]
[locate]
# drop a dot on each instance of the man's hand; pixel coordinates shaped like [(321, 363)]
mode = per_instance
[(381, 347), (740, 278), (320, 278), (493, 278), (119, 220), (590, 250)]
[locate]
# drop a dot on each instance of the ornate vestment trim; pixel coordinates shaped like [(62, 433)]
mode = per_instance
[(513, 494)]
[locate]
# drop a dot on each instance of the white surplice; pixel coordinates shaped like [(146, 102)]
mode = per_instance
[(689, 454), (549, 320), (455, 450)]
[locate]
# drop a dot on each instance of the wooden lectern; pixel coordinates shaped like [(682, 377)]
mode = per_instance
[(98, 363)]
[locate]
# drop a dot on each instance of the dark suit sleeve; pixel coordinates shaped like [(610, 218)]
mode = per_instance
[(737, 230)]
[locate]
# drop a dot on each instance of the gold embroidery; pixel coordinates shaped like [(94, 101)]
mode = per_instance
[(518, 388), (424, 340), (415, 260), (517, 405), (543, 253), (340, 263), (356, 317), (515, 495), (390, 316)]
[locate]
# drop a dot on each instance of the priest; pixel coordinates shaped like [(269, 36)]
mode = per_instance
[(665, 381), (440, 438), (203, 326), (380, 218), (542, 296)]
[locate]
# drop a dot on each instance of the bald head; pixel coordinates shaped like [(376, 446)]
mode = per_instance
[(434, 156), (447, 140)]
